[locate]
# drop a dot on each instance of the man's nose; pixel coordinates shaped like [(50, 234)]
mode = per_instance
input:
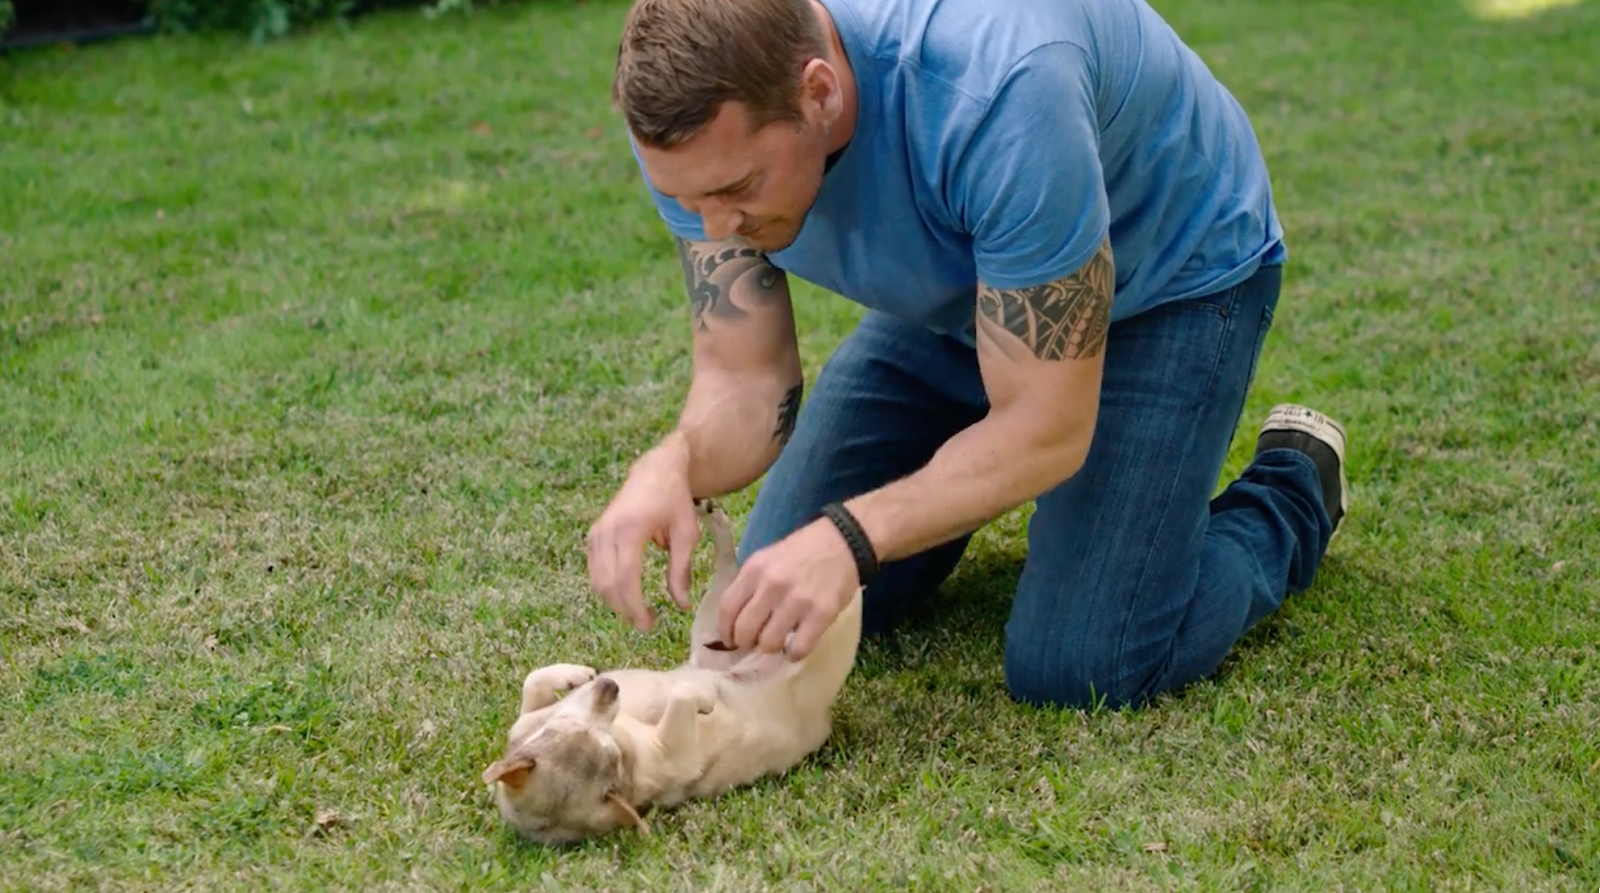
[(720, 220)]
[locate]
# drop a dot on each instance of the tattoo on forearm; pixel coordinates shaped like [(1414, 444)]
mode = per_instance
[(710, 277), (1065, 319), (788, 414)]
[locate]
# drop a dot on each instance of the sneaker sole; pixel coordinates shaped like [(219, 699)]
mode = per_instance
[(1294, 417)]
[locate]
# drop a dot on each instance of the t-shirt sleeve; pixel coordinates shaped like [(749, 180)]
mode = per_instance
[(679, 220), (1028, 184)]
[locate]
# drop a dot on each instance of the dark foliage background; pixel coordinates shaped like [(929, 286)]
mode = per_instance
[(260, 19)]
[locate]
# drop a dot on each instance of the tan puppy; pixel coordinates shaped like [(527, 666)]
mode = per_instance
[(619, 743)]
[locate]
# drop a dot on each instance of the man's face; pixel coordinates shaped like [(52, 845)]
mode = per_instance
[(752, 185)]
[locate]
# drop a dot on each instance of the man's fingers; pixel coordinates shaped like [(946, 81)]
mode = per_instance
[(807, 635), (681, 540), (628, 559), (599, 561), (732, 602), (616, 563), (789, 612), (757, 612), (603, 569)]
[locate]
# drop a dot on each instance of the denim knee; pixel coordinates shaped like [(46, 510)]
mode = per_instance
[(1043, 669)]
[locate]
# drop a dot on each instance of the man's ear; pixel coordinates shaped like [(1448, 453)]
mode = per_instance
[(820, 90), (628, 812), (511, 772)]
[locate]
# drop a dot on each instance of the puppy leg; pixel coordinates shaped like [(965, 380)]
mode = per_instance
[(677, 740), (542, 686), (703, 629), (700, 693), (676, 731)]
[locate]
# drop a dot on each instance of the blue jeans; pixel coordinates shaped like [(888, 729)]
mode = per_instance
[(1137, 581)]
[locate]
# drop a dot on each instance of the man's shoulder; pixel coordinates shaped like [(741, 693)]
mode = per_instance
[(965, 49)]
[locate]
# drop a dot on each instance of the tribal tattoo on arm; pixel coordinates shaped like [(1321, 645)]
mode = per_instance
[(727, 284), (1065, 319), (711, 274), (788, 414)]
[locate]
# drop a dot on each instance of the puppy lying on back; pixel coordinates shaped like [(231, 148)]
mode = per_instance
[(621, 742)]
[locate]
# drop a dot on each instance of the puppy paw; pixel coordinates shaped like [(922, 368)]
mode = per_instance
[(562, 678), (704, 697)]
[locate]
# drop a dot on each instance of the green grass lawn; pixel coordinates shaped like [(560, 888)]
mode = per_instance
[(318, 357)]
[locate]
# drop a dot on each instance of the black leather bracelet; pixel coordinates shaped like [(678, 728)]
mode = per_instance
[(860, 546)]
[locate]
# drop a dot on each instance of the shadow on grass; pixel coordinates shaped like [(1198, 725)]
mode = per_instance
[(960, 624), (955, 639)]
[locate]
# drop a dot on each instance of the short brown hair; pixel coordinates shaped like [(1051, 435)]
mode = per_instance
[(680, 60)]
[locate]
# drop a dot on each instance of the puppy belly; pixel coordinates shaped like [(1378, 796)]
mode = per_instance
[(751, 746)]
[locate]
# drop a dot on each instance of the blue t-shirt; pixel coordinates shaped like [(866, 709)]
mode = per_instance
[(1002, 141)]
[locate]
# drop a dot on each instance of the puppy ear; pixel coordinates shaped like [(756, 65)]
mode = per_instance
[(512, 771), (628, 812)]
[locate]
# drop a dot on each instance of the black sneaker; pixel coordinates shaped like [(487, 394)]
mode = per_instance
[(1300, 428)]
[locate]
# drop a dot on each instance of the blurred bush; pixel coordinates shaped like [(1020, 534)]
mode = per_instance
[(260, 19), (273, 18)]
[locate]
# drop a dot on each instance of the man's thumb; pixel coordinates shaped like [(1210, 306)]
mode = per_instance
[(682, 537)]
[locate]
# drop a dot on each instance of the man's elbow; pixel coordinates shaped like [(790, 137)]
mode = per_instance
[(1059, 452), (1064, 463)]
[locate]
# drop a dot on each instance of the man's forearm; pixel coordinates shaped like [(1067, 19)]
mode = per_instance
[(731, 431), (1040, 352), (745, 392), (989, 468)]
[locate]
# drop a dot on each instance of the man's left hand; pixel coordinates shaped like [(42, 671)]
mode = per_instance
[(799, 584)]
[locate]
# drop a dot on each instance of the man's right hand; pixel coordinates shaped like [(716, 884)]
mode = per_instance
[(654, 505), (742, 405)]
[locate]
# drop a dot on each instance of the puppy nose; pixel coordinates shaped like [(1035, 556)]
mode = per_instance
[(605, 690)]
